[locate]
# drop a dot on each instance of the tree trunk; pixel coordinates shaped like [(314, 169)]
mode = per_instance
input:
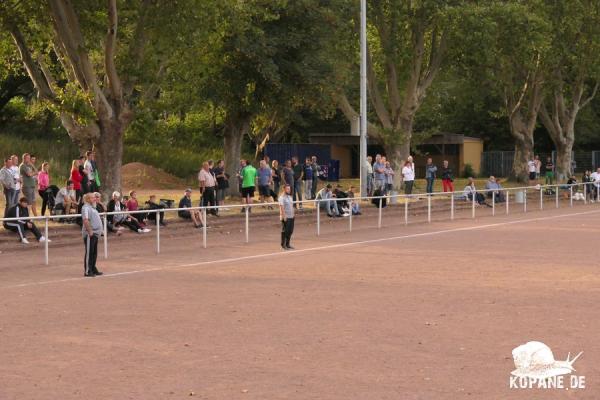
[(109, 156), (397, 153), (563, 160), (523, 153), (232, 141)]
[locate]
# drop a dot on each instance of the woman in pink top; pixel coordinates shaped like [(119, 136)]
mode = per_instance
[(43, 183)]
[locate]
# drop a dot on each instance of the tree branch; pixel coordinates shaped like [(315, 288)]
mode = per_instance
[(351, 114), (114, 82), (376, 98)]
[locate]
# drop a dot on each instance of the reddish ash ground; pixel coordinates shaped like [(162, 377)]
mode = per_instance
[(433, 313)]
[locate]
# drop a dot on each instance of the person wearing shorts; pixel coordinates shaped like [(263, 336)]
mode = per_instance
[(264, 182), (248, 184), (29, 176)]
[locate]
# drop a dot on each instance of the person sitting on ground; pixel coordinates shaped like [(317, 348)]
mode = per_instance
[(471, 191), (194, 215), (342, 203), (21, 226), (354, 206), (123, 219), (66, 202), (325, 199), (492, 186), (152, 204), (132, 204)]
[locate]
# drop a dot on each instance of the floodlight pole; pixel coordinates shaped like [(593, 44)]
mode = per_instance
[(363, 98)]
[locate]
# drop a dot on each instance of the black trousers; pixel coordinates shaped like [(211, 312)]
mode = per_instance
[(209, 199), (152, 216), (287, 228), (90, 255), (44, 197), (21, 228)]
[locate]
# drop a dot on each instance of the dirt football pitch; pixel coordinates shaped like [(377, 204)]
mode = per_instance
[(423, 311)]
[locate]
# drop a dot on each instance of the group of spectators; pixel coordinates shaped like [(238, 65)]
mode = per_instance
[(380, 176)]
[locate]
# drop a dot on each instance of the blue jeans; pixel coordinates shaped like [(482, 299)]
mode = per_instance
[(297, 193), (430, 182)]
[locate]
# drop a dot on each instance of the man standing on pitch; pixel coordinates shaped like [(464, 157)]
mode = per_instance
[(286, 215), (91, 230)]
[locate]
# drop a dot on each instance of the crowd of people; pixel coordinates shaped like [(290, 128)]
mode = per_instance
[(287, 184)]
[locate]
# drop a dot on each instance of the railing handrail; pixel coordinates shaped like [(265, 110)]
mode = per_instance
[(358, 198)]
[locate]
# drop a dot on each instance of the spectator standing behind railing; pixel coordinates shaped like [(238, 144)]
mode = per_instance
[(22, 225), (408, 175), (91, 230), (91, 172), (596, 179), (316, 172), (589, 186), (222, 182), (276, 176), (43, 183), (248, 185), (430, 171), (369, 167), (447, 177), (76, 178), (28, 176), (298, 176), (549, 171), (308, 179), (208, 188), (17, 177), (389, 177), (8, 183), (286, 215), (379, 174), (264, 182)]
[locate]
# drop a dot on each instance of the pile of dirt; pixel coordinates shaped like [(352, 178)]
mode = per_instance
[(141, 176)]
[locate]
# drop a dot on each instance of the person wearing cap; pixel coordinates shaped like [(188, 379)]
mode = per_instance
[(194, 215), (286, 216), (22, 225), (91, 230)]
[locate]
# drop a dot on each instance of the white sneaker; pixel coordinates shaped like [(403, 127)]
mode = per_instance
[(146, 230), (24, 241), (346, 214), (43, 239), (140, 231)]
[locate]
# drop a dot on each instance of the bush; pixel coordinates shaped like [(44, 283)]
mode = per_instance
[(469, 172)]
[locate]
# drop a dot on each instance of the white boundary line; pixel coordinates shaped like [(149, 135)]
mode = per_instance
[(319, 248)]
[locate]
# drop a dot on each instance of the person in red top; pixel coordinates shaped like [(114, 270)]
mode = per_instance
[(133, 205), (76, 178)]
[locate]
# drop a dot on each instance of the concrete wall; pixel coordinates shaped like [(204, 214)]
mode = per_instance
[(343, 153), (470, 153)]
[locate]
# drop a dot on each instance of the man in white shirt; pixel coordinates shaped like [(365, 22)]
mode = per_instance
[(532, 168), (66, 199), (408, 174), (17, 177), (208, 184), (596, 179)]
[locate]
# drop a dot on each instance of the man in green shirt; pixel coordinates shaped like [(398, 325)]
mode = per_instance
[(29, 175), (248, 184)]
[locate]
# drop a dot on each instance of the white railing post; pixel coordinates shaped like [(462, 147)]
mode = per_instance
[(46, 241), (473, 195), (105, 236), (247, 223), (157, 233), (525, 200), (429, 209), (405, 210), (318, 217), (493, 204), (452, 206), (507, 202), (597, 194), (204, 227), (585, 193), (556, 196), (571, 195), (379, 217), (350, 217), (541, 198)]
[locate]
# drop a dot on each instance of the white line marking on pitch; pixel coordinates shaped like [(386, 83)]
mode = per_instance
[(332, 246)]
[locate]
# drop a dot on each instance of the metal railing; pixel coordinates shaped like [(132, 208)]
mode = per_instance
[(543, 190)]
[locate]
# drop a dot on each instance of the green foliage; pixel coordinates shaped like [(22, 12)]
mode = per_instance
[(468, 171)]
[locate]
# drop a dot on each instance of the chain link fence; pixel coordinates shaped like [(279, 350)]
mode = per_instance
[(500, 163)]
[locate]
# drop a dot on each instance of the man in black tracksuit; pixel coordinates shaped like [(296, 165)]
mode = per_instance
[(20, 210)]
